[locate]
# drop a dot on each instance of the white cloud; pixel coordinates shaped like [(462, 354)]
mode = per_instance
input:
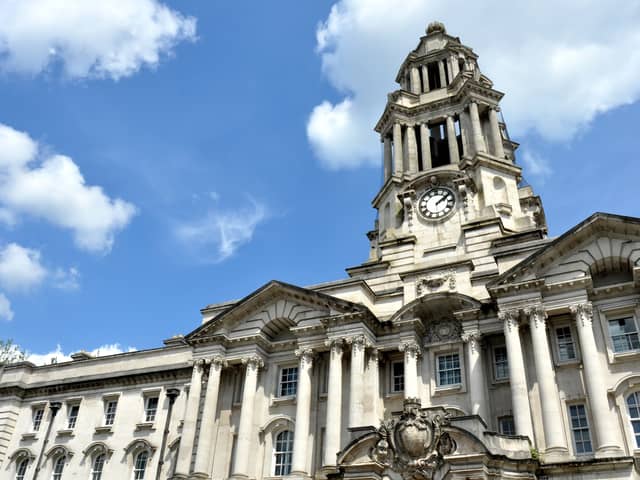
[(52, 188), (68, 279), (557, 75), (216, 236), (58, 355), (536, 165), (20, 268), (5, 308), (89, 38)]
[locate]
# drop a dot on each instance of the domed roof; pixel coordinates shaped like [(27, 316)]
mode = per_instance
[(436, 27)]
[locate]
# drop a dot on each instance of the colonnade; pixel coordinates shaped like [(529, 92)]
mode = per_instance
[(401, 147), (555, 439)]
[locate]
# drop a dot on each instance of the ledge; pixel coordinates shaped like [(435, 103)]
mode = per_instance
[(104, 429), (67, 432), (448, 390), (29, 436), (144, 426), (288, 400)]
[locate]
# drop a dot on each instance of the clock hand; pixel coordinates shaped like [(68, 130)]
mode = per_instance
[(440, 201)]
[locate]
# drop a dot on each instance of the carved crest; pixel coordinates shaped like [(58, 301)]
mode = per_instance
[(443, 330), (414, 444)]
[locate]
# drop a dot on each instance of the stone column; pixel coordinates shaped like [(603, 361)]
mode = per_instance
[(189, 426), (411, 353), (425, 145), (496, 135), (303, 412), (476, 128), (606, 440), (425, 79), (412, 149), (517, 376), (454, 67), (452, 141), (387, 157), (245, 431), (358, 345), (477, 385), (398, 159), (443, 75), (554, 436), (415, 80), (373, 389), (334, 403), (206, 441)]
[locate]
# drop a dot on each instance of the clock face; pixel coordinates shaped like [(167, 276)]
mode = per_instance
[(436, 203)]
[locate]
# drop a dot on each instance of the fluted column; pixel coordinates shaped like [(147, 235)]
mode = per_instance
[(334, 403), (206, 441), (477, 385), (398, 161), (358, 345), (496, 135), (425, 146), (606, 440), (415, 80), (554, 436), (387, 157), (452, 141), (189, 426), (245, 431), (517, 376), (411, 353), (303, 412), (476, 128), (425, 79), (412, 149)]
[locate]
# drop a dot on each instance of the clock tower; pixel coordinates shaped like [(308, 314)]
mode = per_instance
[(452, 191)]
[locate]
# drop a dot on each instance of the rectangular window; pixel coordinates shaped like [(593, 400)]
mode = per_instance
[(566, 347), (72, 416), (150, 409), (624, 335), (110, 407), (288, 382), (506, 425), (449, 370), (397, 377), (501, 363), (36, 416), (580, 429)]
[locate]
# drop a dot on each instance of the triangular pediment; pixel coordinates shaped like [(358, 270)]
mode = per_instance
[(272, 312), (602, 245)]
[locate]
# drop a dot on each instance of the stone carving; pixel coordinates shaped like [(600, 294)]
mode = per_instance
[(358, 343), (433, 283), (443, 330), (414, 445), (473, 339), (583, 313), (537, 316), (253, 362), (305, 355), (410, 348), (510, 318)]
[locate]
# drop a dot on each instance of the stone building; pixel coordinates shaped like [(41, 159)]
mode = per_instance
[(468, 345)]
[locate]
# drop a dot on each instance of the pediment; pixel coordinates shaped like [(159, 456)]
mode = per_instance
[(272, 312), (602, 245)]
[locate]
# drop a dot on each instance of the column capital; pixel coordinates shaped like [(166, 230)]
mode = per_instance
[(410, 348), (198, 364), (218, 361), (336, 345), (253, 362), (510, 318), (495, 108), (358, 342), (473, 339), (537, 315), (305, 355), (583, 313)]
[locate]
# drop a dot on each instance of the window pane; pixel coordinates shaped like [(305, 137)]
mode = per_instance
[(624, 335), (501, 363), (96, 470), (288, 382), (449, 370), (22, 469), (566, 348), (633, 405), (580, 429), (397, 377), (506, 425), (151, 408), (58, 468), (140, 466), (283, 453), (110, 412), (73, 416), (37, 418)]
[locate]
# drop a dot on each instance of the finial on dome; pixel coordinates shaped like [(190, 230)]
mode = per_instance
[(436, 27)]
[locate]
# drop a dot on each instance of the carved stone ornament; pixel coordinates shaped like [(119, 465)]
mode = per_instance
[(443, 330), (414, 444), (433, 283)]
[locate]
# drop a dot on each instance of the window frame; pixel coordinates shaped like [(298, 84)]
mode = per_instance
[(556, 343), (587, 427), (70, 407), (61, 462), (459, 369), (635, 436), (500, 420), (281, 383), (437, 349), (494, 363), (612, 311), (287, 454), (636, 332), (392, 376), (93, 472), (108, 400), (137, 469), (35, 409), (151, 413), (24, 462)]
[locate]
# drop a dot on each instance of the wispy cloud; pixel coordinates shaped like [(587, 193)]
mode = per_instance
[(536, 165), (6, 313), (58, 355), (89, 39), (219, 233)]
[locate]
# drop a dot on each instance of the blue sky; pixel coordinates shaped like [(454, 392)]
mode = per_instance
[(224, 144)]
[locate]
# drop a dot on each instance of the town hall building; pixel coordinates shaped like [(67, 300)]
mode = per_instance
[(469, 344)]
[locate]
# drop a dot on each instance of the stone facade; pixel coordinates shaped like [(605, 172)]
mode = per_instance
[(468, 345)]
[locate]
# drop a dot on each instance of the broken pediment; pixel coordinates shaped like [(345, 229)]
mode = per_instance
[(273, 312), (602, 250)]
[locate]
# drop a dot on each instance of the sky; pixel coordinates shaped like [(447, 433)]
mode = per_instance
[(157, 156)]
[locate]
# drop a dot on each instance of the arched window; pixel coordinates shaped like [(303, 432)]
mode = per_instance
[(97, 466), (58, 467), (140, 466), (22, 469), (633, 404), (282, 453)]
